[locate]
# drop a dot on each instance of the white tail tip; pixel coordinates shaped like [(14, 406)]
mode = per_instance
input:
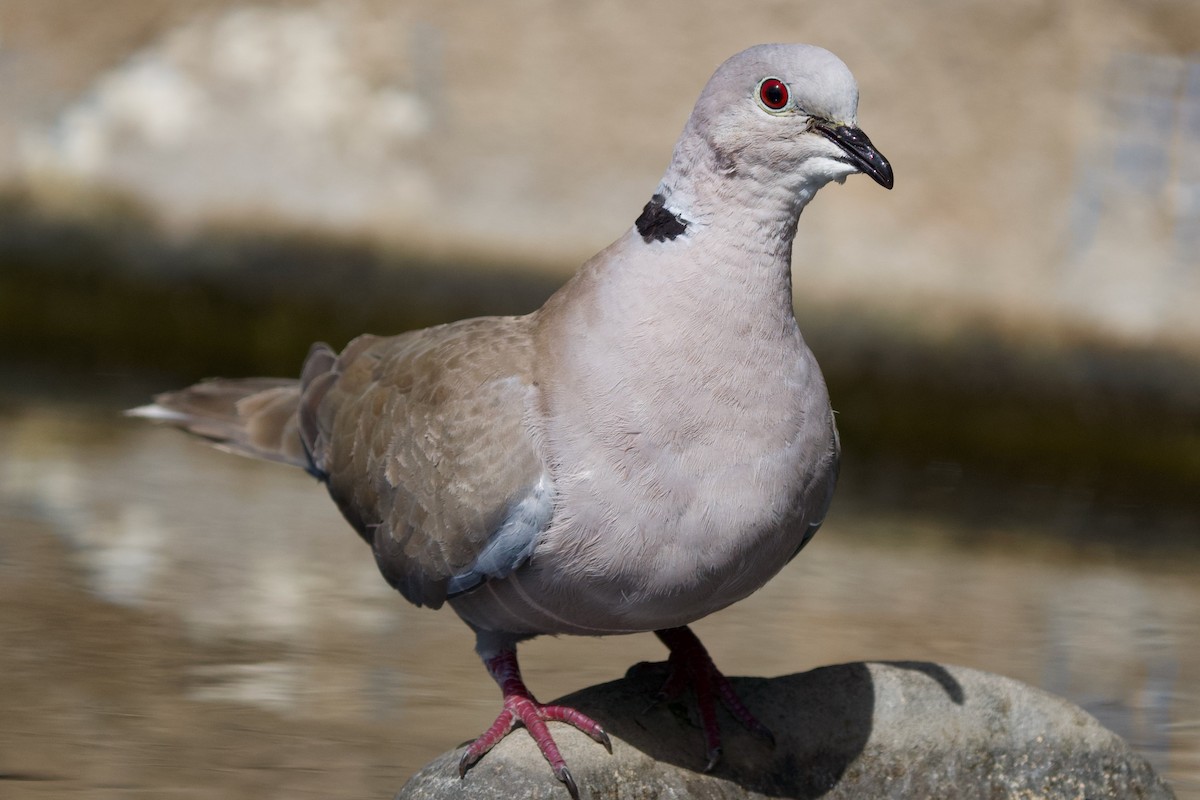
[(154, 411)]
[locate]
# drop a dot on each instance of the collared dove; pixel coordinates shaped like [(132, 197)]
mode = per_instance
[(650, 446)]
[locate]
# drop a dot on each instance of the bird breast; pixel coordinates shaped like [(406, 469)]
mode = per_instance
[(687, 467)]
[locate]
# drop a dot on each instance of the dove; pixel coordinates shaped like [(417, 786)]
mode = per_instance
[(651, 445)]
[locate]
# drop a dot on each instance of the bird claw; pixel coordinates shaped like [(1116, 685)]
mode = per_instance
[(521, 708), (692, 667), (714, 755), (565, 776), (466, 762), (533, 716)]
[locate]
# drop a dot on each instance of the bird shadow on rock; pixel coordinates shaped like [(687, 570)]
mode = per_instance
[(875, 729), (821, 720)]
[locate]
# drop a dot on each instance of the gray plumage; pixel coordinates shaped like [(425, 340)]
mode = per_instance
[(650, 446)]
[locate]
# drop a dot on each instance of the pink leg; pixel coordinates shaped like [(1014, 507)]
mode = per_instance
[(521, 708), (692, 666)]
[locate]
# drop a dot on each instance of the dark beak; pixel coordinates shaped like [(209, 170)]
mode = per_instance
[(859, 149)]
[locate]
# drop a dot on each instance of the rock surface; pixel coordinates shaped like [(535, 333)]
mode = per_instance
[(877, 730)]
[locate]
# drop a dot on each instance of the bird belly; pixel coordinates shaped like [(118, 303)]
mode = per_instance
[(636, 564), (681, 485)]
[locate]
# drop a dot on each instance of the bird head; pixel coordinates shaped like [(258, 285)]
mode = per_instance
[(786, 113)]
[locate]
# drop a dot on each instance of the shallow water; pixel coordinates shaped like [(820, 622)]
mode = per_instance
[(177, 622)]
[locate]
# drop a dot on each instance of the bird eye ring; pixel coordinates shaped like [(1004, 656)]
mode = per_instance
[(773, 94)]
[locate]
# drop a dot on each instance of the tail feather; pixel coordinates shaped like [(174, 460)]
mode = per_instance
[(255, 417)]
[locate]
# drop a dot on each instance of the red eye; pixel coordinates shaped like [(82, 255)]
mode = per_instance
[(773, 93)]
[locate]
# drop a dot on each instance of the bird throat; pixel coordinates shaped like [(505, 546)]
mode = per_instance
[(657, 224)]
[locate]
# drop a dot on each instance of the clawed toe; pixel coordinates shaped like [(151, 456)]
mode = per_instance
[(531, 715), (565, 776), (522, 709), (691, 667), (714, 755), (577, 720)]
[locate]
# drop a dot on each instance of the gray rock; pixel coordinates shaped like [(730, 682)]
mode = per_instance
[(862, 730)]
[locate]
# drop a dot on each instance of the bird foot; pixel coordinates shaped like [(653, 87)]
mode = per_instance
[(691, 666), (521, 708)]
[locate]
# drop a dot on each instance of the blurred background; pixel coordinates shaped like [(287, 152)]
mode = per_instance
[(1011, 337)]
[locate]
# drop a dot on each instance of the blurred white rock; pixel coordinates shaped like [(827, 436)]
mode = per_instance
[(261, 110), (1047, 160)]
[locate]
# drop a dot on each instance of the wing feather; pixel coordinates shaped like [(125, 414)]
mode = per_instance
[(424, 442)]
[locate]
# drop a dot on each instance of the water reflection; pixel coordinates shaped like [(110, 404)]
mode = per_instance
[(186, 623)]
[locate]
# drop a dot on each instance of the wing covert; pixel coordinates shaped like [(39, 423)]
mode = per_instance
[(424, 442)]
